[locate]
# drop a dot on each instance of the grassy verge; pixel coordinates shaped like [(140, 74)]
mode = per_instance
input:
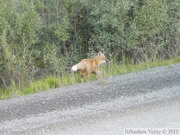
[(69, 79), (115, 69)]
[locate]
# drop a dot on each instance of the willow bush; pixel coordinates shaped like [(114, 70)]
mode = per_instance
[(18, 32), (45, 37), (137, 29)]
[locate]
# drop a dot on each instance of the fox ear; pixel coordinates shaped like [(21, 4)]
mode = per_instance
[(100, 53)]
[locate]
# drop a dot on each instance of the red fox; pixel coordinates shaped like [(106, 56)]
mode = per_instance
[(87, 66)]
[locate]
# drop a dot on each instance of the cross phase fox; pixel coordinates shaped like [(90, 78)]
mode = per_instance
[(87, 66)]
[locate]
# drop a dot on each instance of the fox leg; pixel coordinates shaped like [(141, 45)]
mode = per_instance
[(85, 75), (98, 73), (94, 72), (80, 73)]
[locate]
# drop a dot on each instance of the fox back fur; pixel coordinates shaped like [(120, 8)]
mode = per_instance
[(87, 66)]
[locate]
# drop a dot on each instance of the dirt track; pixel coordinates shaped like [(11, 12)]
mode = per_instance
[(76, 109)]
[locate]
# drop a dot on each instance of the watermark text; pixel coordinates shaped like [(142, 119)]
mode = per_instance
[(152, 131)]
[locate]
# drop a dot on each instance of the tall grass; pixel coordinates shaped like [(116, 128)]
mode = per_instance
[(66, 79)]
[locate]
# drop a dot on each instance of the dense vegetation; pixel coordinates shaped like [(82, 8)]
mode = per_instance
[(45, 37)]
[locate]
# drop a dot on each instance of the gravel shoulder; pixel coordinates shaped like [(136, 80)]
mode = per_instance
[(85, 105)]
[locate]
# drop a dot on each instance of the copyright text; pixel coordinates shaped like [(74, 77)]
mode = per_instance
[(152, 131)]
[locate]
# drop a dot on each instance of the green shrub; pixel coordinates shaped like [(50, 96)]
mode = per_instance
[(41, 38)]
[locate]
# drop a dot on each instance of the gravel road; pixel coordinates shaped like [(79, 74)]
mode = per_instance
[(144, 99)]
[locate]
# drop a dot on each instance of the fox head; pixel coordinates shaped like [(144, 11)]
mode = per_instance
[(102, 58)]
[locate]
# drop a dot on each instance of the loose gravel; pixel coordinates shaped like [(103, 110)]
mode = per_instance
[(89, 102)]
